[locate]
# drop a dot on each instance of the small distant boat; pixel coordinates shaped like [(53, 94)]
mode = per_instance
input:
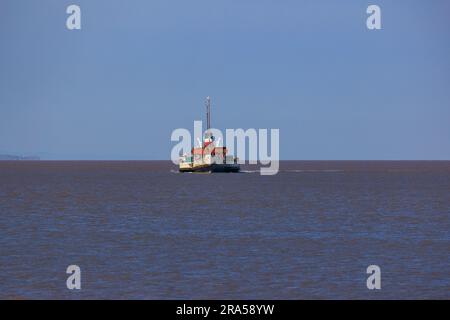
[(208, 157)]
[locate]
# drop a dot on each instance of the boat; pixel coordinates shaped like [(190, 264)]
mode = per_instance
[(208, 157)]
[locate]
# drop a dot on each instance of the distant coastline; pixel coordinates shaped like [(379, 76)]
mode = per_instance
[(15, 157)]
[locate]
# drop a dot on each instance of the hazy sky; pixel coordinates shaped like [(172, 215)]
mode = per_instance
[(139, 69)]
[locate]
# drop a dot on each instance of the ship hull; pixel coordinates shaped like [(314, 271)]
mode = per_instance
[(213, 168)]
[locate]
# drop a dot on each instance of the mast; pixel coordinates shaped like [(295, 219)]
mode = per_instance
[(208, 113)]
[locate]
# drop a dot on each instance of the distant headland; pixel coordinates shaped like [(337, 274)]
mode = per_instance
[(15, 157)]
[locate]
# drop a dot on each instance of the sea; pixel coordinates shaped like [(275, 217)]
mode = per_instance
[(141, 230)]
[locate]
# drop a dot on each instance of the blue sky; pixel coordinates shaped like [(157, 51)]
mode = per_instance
[(139, 69)]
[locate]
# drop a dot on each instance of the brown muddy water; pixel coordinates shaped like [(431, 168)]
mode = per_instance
[(141, 230)]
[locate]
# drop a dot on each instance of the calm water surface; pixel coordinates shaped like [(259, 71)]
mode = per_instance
[(141, 230)]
